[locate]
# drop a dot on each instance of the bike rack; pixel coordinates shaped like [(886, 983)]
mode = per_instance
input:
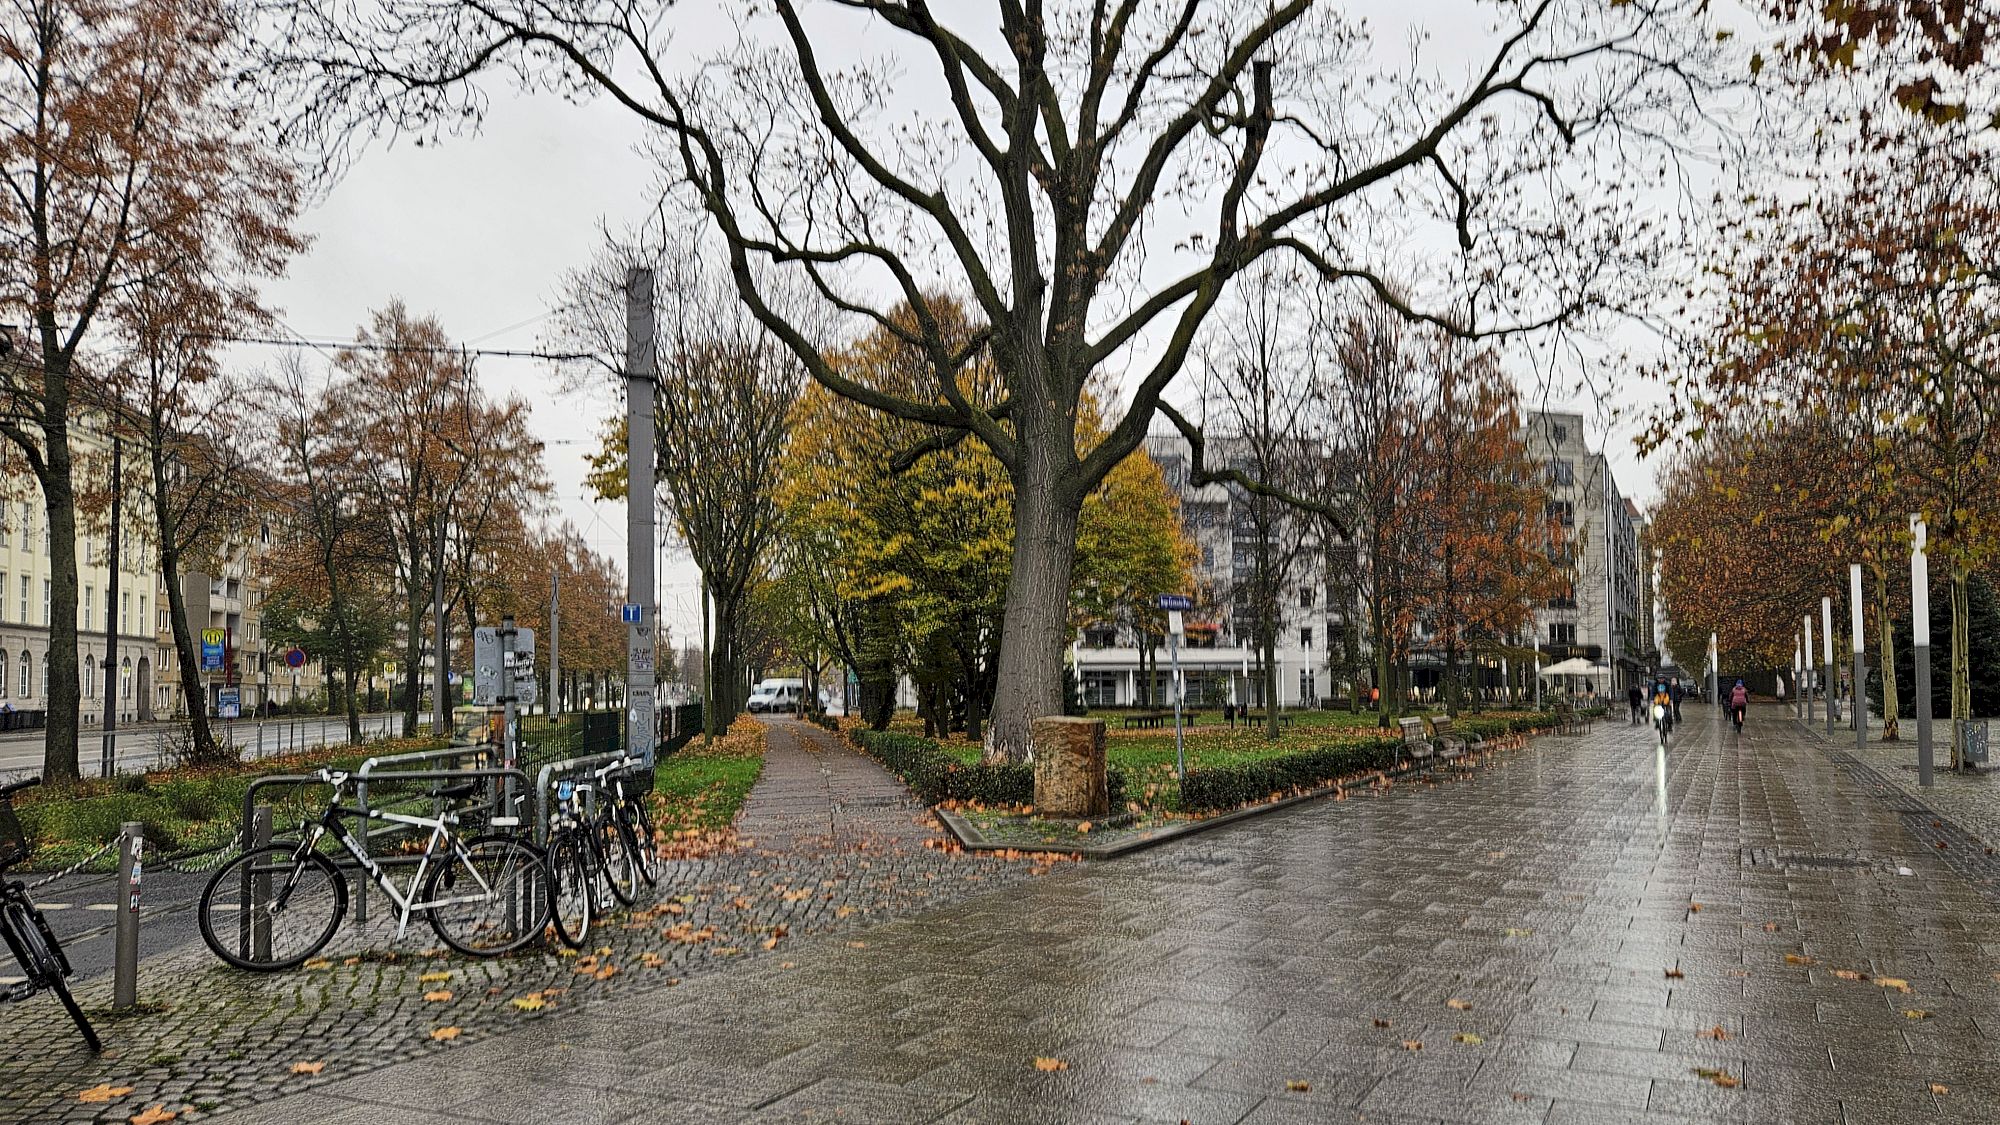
[(366, 772), (571, 767)]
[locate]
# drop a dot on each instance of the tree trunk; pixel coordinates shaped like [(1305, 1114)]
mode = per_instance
[(1270, 655), (413, 647), (728, 668), (1961, 663), (1036, 622), (1891, 702), (60, 686), (1385, 693), (164, 524)]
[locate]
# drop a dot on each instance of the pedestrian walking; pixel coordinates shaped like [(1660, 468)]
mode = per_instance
[(1636, 697), (1675, 692)]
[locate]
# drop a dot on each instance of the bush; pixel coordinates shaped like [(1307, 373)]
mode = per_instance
[(1212, 788), (822, 719), (936, 775)]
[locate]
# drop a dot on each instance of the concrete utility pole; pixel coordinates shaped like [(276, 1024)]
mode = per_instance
[(1860, 662), (109, 758), (441, 667), (1826, 651), (1714, 671), (1920, 632), (1809, 668), (641, 387)]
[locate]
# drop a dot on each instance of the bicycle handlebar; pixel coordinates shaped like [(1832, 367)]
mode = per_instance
[(14, 787)]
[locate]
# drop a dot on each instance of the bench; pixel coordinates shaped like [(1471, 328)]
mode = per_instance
[(1151, 720), (1450, 747), (1251, 718), (1416, 743), (1569, 720)]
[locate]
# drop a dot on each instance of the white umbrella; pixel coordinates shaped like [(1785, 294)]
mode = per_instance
[(1576, 666)]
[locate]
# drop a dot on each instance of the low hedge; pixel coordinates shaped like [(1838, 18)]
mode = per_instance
[(937, 775), (1212, 788)]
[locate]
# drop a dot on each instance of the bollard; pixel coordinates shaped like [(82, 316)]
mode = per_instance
[(260, 890), (131, 870)]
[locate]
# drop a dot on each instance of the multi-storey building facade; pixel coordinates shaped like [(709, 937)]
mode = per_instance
[(1599, 618)]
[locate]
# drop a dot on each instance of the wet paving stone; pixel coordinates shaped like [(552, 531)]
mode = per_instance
[(1611, 941)]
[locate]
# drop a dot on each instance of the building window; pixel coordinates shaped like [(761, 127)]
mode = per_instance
[(1306, 639), (1307, 694), (1558, 432), (27, 676), (1100, 689), (1562, 512), (1305, 597), (90, 607), (142, 610), (125, 678), (25, 586), (1562, 633), (1562, 471), (90, 677), (45, 601), (124, 613)]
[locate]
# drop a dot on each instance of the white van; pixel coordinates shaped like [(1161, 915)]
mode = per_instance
[(776, 695)]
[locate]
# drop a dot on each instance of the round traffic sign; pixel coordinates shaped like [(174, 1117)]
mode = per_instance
[(295, 657)]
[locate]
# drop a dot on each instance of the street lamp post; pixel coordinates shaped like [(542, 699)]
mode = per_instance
[(1920, 633), (1860, 662), (1809, 669), (1826, 652)]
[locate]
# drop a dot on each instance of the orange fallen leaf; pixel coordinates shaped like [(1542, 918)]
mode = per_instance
[(1694, 908), (158, 1115), (1770, 927), (532, 1002), (1045, 1064), (1721, 1078), (1916, 1014), (1298, 1087), (1413, 1045), (1458, 1005), (1716, 1032), (438, 995), (1896, 983), (1849, 974), (308, 1067), (770, 943), (445, 1034), (433, 978), (1798, 959), (1675, 974), (1940, 1088), (103, 1092)]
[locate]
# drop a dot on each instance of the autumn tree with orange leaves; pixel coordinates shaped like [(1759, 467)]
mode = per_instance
[(127, 168)]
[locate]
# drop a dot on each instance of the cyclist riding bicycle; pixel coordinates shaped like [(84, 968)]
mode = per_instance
[(1739, 702), (1663, 709)]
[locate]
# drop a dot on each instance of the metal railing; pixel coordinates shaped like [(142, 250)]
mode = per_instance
[(576, 767)]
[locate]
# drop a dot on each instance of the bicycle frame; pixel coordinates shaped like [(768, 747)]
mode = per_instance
[(333, 822)]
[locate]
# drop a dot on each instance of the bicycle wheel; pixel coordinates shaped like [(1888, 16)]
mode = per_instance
[(35, 947), (615, 859), (270, 909), (489, 896), (636, 830), (572, 888)]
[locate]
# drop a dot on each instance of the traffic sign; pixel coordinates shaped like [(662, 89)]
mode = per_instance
[(212, 642), (295, 657), (628, 614), (488, 684), (1176, 601)]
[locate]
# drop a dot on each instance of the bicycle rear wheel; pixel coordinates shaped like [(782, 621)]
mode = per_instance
[(572, 888), (636, 830), (615, 859), (489, 896), (35, 947), (270, 909)]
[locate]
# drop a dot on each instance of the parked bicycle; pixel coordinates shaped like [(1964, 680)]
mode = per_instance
[(577, 864), (625, 830), (276, 905), (44, 967)]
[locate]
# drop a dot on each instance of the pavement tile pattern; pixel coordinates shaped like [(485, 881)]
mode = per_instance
[(1589, 931)]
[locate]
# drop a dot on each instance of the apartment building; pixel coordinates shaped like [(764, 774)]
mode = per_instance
[(1599, 618)]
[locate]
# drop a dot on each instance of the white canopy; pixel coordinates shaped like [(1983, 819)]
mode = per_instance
[(1576, 666)]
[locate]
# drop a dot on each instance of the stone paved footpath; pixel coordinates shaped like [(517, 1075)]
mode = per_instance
[(1585, 932), (214, 1039)]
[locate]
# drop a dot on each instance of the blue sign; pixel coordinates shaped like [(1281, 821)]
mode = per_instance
[(1176, 601), (629, 614), (212, 641), (295, 657)]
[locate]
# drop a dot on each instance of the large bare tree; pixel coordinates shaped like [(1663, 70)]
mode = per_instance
[(1088, 177)]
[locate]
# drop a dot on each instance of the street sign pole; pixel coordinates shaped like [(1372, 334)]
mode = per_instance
[(1860, 663), (1920, 633), (1174, 604)]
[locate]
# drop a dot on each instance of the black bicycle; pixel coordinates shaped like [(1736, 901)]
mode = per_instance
[(576, 864), (629, 853), (43, 965)]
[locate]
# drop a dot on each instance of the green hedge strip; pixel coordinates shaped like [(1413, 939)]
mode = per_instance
[(936, 775)]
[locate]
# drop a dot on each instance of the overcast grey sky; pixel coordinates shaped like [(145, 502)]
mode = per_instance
[(478, 231)]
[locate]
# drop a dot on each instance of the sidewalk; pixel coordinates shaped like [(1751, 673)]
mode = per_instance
[(841, 850), (1971, 800)]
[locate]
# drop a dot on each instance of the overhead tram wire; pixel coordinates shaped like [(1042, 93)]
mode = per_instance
[(391, 349)]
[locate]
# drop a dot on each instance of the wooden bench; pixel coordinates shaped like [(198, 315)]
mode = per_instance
[(1152, 720), (1416, 743)]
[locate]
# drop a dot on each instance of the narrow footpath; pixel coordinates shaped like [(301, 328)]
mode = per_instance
[(818, 792)]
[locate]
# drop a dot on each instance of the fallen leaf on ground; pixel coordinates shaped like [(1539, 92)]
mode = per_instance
[(318, 963), (1675, 974), (651, 960), (1897, 983), (103, 1092), (1458, 1005), (1468, 1037), (1413, 1044), (158, 1115), (770, 943), (1849, 974), (1721, 1078), (1797, 959), (1694, 908), (1045, 1064), (1516, 931), (530, 1003), (438, 995), (433, 978), (308, 1067), (1940, 1088), (788, 964), (1381, 1023), (1770, 927), (1716, 1032), (1298, 1087), (1916, 1014), (445, 1034), (1083, 827)]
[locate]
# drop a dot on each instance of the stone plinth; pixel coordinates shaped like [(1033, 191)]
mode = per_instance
[(1069, 767)]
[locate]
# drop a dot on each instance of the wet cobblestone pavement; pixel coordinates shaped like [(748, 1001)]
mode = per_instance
[(1580, 933)]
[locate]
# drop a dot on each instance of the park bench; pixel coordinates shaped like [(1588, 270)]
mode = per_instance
[(1569, 720), (1451, 748), (1151, 720), (1250, 718), (1416, 743)]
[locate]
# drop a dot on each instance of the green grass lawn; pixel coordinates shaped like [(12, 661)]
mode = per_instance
[(701, 787)]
